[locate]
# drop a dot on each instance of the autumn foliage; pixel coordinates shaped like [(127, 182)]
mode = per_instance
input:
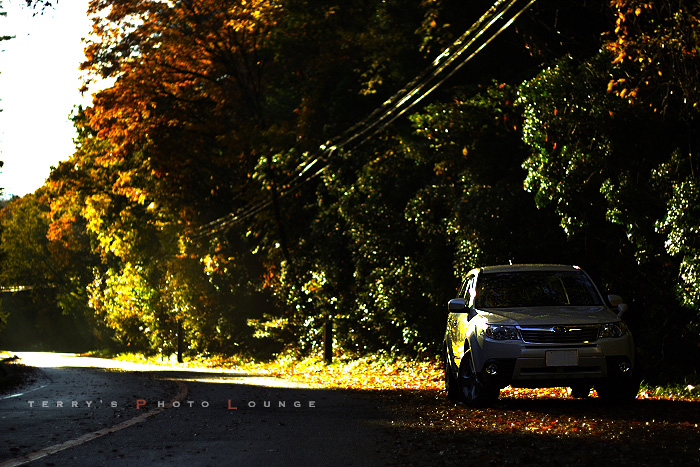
[(655, 53), (199, 212)]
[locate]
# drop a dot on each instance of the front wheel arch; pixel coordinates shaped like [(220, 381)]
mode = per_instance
[(451, 381), (472, 391)]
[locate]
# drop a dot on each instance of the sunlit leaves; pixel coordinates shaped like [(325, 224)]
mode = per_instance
[(475, 197), (120, 298), (216, 105), (188, 99), (564, 109), (609, 167), (656, 54), (52, 259), (592, 154), (682, 227), (25, 249)]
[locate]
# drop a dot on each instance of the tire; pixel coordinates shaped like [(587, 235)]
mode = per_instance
[(618, 390), (472, 391), (580, 391), (451, 386)]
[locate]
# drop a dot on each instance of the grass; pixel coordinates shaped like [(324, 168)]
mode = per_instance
[(377, 372), (680, 391), (371, 372)]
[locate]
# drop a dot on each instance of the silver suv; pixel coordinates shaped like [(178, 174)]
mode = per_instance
[(536, 326)]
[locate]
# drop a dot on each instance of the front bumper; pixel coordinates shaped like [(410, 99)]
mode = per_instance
[(514, 363)]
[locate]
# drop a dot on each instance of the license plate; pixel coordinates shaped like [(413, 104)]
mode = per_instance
[(562, 358)]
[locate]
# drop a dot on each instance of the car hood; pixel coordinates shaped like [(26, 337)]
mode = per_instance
[(549, 315)]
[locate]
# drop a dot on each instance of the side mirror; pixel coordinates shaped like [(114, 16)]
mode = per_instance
[(616, 300), (457, 305)]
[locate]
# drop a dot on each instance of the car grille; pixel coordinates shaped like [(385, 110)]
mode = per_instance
[(560, 334)]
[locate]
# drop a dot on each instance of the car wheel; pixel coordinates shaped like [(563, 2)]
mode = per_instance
[(451, 386), (580, 391), (618, 390), (471, 390)]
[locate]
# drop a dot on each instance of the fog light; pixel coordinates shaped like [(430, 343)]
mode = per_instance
[(491, 369), (625, 367)]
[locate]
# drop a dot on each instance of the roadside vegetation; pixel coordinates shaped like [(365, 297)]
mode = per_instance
[(206, 205), (385, 373), (423, 427), (12, 373)]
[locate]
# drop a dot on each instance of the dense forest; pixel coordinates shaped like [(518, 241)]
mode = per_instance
[(229, 186)]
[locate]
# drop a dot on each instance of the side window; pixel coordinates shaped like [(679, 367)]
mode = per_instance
[(471, 291), (467, 290), (463, 289)]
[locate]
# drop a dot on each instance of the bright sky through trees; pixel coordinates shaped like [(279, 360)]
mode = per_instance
[(39, 86)]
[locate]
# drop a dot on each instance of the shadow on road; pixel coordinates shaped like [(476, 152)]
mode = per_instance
[(226, 415), (430, 430)]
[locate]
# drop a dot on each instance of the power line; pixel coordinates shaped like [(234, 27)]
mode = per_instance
[(453, 71), (439, 65), (391, 105), (414, 92), (410, 104)]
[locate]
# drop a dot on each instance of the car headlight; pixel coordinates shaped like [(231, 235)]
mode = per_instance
[(502, 333), (612, 330)]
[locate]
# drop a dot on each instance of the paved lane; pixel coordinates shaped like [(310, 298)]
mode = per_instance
[(166, 417)]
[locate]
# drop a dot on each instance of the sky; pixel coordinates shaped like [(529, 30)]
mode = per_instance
[(39, 87)]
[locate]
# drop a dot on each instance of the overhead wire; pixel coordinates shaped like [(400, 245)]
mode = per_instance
[(391, 109), (452, 72), (419, 83), (438, 65)]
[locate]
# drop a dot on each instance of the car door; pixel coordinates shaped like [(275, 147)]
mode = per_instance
[(459, 322), (453, 320)]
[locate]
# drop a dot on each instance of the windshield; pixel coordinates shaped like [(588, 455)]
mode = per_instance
[(535, 288)]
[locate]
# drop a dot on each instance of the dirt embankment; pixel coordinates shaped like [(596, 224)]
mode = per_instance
[(14, 375)]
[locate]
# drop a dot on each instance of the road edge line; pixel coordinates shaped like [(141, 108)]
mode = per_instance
[(33, 456)]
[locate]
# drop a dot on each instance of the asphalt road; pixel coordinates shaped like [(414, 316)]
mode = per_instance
[(80, 411), (87, 411)]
